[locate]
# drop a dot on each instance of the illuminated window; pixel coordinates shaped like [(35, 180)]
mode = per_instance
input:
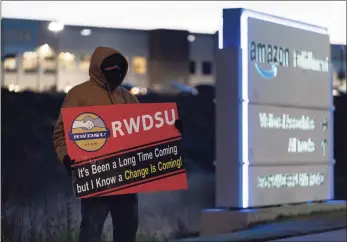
[(67, 61), (45, 51), (49, 65), (10, 63), (140, 65), (84, 62), (30, 62)]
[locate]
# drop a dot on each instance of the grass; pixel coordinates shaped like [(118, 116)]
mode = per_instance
[(164, 216), (55, 218)]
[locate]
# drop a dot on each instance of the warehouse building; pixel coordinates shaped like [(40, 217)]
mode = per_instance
[(42, 55)]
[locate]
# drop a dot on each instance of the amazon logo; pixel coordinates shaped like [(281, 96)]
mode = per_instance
[(267, 58)]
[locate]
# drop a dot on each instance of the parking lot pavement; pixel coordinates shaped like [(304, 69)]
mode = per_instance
[(333, 236)]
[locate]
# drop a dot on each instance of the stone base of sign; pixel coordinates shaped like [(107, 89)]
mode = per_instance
[(222, 221)]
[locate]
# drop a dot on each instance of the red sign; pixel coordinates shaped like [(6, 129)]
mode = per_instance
[(126, 148)]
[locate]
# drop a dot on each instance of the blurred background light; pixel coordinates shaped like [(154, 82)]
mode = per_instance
[(55, 26), (86, 32), (191, 38)]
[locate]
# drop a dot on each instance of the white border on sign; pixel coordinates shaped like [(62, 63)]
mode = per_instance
[(220, 34), (244, 82)]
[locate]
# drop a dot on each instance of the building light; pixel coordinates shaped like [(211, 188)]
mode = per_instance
[(86, 32), (45, 50), (143, 91), (30, 55), (30, 61), (10, 63), (66, 56), (140, 65), (55, 26), (13, 88), (191, 38), (335, 92), (67, 89), (16, 88), (135, 90)]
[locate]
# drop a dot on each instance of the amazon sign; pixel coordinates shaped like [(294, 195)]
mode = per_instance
[(285, 63), (275, 135), (269, 54)]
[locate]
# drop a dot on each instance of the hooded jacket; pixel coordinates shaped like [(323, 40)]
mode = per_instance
[(91, 93)]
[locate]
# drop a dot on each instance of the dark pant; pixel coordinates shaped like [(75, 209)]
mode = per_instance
[(124, 213)]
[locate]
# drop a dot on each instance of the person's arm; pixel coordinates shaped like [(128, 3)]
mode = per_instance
[(134, 99), (59, 143)]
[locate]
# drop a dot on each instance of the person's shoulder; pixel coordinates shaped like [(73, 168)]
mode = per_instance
[(75, 95), (78, 89), (129, 96)]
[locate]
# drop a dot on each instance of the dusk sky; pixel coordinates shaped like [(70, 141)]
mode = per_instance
[(194, 16)]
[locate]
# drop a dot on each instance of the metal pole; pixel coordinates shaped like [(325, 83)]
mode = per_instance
[(2, 72), (18, 67), (56, 71), (56, 61), (38, 72)]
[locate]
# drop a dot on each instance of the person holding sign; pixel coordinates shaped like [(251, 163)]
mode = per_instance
[(108, 68)]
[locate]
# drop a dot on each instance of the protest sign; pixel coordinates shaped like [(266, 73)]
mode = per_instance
[(122, 149)]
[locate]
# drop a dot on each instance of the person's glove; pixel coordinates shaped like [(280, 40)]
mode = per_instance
[(179, 126), (68, 163)]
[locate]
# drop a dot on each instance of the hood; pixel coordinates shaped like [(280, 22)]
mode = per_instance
[(99, 55)]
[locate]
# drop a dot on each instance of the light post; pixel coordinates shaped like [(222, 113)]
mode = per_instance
[(56, 27)]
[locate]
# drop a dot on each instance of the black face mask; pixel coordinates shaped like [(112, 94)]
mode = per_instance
[(114, 69)]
